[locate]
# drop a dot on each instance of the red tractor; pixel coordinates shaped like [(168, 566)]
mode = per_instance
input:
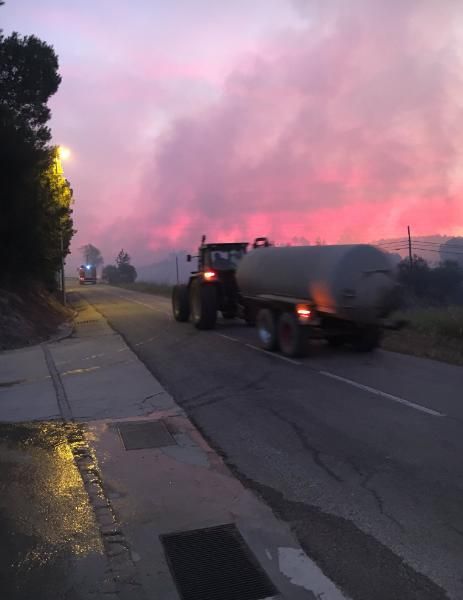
[(212, 287)]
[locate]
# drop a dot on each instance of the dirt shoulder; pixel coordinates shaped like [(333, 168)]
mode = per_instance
[(29, 316)]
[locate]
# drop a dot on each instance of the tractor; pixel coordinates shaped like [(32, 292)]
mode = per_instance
[(212, 287)]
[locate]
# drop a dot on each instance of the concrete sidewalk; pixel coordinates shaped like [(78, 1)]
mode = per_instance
[(138, 495)]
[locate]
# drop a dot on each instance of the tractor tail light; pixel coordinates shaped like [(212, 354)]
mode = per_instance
[(303, 312)]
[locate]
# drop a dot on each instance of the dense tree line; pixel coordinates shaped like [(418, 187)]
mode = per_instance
[(35, 199), (122, 271), (424, 284)]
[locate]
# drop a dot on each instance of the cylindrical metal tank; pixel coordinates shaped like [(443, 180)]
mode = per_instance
[(353, 282)]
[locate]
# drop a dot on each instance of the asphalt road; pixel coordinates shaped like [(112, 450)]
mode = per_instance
[(361, 454)]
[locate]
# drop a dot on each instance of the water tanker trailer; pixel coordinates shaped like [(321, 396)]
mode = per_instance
[(342, 293)]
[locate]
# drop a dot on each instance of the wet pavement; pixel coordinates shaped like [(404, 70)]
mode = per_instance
[(50, 543)]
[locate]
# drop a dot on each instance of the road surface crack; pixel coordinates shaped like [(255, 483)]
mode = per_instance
[(377, 497), (315, 453)]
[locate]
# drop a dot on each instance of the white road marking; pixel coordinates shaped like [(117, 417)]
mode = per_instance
[(367, 388), (164, 312), (361, 386), (228, 337), (274, 354), (303, 572)]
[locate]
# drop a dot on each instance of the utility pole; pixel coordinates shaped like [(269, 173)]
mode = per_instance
[(176, 266), (410, 247)]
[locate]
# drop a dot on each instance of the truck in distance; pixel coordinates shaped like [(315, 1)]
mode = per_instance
[(87, 274)]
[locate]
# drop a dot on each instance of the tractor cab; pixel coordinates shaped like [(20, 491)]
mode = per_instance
[(212, 288), (219, 258)]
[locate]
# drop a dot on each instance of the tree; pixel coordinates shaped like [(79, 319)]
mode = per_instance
[(415, 277), (452, 250), (446, 281), (122, 272), (123, 258), (438, 285), (28, 78), (92, 255), (110, 274), (35, 199)]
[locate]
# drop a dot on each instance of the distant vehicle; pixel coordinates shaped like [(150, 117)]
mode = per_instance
[(87, 274), (343, 293)]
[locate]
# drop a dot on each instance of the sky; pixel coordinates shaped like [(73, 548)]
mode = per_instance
[(295, 119)]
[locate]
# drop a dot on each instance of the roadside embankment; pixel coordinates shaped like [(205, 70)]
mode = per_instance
[(435, 332), (28, 316)]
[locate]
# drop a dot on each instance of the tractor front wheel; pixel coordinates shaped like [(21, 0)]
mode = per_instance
[(203, 302), (180, 303)]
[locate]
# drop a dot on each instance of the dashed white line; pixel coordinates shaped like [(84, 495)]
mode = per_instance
[(361, 386), (367, 388), (229, 337), (155, 308), (280, 356)]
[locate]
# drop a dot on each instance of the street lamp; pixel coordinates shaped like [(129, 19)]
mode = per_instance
[(63, 153)]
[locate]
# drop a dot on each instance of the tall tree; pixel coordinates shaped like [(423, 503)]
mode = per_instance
[(35, 198), (126, 272), (92, 255), (123, 258)]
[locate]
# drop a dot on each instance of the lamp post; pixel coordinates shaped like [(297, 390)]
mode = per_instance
[(63, 153)]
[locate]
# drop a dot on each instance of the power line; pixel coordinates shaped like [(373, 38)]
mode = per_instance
[(434, 250), (454, 245), (391, 242)]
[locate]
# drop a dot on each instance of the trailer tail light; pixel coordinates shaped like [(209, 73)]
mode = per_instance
[(209, 275), (303, 312)]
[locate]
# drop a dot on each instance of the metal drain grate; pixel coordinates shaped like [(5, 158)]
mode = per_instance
[(215, 564), (145, 434)]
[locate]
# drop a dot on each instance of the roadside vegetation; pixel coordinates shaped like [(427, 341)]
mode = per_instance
[(123, 272), (36, 200), (433, 299)]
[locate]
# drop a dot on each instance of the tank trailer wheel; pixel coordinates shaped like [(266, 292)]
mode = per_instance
[(336, 341), (228, 314), (203, 302), (290, 335), (367, 340), (180, 303), (267, 329)]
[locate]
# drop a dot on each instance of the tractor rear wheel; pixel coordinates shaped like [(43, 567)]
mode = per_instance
[(180, 303), (203, 302)]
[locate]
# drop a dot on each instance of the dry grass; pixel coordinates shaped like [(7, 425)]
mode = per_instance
[(435, 333)]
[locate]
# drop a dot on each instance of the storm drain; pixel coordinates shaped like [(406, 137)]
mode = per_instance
[(215, 564), (145, 434)]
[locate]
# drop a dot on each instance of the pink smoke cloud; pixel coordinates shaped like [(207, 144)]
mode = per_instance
[(347, 129)]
